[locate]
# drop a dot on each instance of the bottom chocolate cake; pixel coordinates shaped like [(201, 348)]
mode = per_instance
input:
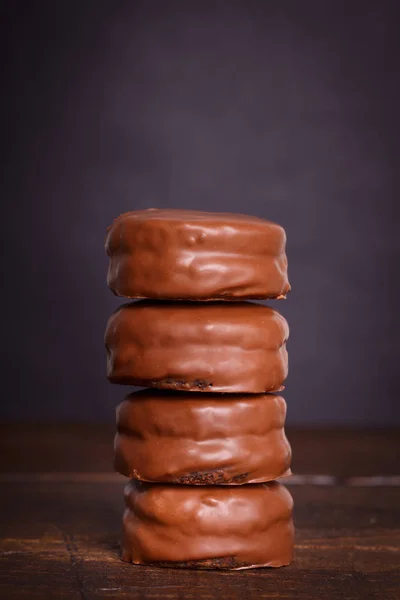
[(213, 527)]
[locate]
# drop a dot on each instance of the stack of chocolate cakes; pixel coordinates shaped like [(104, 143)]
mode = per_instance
[(205, 442)]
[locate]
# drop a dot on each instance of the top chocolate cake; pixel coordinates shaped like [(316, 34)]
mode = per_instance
[(193, 255)]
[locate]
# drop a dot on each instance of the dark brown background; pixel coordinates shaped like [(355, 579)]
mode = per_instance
[(287, 110)]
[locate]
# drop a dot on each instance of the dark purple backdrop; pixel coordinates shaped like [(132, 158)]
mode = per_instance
[(287, 110)]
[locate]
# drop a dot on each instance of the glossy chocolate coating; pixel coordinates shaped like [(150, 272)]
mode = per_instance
[(234, 527), (193, 255), (212, 439), (214, 347)]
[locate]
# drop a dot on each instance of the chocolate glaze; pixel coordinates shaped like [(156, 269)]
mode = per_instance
[(221, 527), (214, 439), (193, 255), (217, 347)]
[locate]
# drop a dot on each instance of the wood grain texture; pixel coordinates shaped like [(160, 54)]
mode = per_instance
[(60, 539)]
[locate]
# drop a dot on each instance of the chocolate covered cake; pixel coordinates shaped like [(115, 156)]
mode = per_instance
[(193, 255), (201, 347), (211, 439), (208, 527)]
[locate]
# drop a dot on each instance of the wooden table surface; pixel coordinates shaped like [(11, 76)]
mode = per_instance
[(61, 509)]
